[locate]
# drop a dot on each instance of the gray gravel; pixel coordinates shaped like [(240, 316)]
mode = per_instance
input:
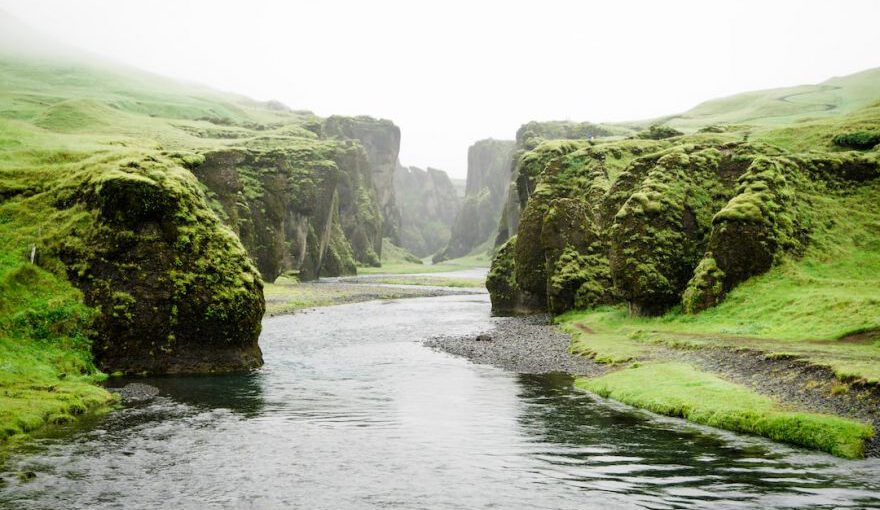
[(527, 345), (136, 392), (797, 383)]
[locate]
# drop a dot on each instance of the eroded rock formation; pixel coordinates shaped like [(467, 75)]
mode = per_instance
[(654, 224), (381, 139), (521, 173), (174, 289)]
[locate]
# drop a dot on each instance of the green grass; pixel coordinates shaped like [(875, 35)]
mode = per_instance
[(432, 281), (802, 306), (679, 390), (46, 370), (468, 262), (782, 106), (290, 297)]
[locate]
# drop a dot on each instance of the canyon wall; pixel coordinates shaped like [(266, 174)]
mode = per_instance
[(381, 139), (659, 223), (521, 175), (488, 179), (428, 205)]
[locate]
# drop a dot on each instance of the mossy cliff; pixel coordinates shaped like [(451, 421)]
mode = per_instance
[(522, 173), (381, 140), (428, 205), (172, 289), (658, 223), (485, 193), (309, 207)]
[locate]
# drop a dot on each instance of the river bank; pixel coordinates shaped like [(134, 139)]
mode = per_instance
[(283, 298), (774, 395)]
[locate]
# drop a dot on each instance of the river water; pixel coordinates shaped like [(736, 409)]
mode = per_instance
[(352, 411)]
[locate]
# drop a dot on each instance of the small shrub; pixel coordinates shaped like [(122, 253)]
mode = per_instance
[(659, 132), (859, 140)]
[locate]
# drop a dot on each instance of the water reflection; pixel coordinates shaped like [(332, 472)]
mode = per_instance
[(240, 393)]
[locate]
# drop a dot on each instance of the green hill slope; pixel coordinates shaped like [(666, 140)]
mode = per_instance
[(782, 106)]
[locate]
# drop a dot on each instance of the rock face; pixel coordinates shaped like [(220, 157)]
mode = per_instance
[(428, 205), (656, 223), (174, 289), (522, 173), (485, 194), (381, 139), (308, 209)]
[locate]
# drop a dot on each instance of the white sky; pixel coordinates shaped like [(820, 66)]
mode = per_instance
[(450, 73)]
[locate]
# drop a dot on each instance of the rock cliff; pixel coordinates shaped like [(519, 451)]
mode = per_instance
[(428, 205), (521, 174), (381, 139), (173, 289), (485, 194), (658, 223)]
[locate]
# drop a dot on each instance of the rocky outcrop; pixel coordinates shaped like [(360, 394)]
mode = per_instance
[(428, 205), (485, 194), (309, 208), (173, 289), (381, 140), (523, 173), (654, 224)]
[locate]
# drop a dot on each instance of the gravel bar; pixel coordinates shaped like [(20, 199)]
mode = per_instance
[(527, 345)]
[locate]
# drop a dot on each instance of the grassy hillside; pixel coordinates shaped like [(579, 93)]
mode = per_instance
[(783, 106)]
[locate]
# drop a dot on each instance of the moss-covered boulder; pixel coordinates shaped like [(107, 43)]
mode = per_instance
[(659, 234), (758, 224), (575, 249), (526, 165), (501, 281), (529, 258), (174, 289)]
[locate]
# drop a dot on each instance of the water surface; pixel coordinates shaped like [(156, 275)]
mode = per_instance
[(351, 411)]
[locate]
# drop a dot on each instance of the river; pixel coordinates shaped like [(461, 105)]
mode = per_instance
[(352, 411)]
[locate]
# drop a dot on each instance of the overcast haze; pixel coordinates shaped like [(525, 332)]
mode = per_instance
[(451, 73)]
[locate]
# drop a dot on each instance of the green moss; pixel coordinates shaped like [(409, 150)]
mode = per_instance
[(860, 140), (706, 288), (659, 234), (676, 389), (658, 132), (501, 280), (47, 374)]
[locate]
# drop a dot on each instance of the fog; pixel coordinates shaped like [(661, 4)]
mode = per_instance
[(450, 73)]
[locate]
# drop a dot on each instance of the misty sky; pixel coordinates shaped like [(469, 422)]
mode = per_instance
[(450, 73)]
